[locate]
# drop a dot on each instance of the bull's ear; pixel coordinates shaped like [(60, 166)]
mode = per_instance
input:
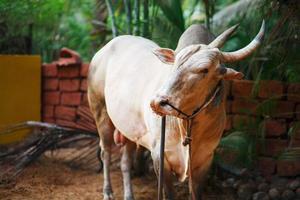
[(165, 55), (230, 74)]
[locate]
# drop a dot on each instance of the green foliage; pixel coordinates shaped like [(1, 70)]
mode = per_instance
[(44, 26), (277, 58), (173, 12), (235, 151), (266, 107), (291, 153)]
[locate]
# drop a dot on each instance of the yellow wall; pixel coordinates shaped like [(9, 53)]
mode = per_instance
[(20, 93)]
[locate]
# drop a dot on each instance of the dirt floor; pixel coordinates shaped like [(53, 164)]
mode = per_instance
[(48, 179)]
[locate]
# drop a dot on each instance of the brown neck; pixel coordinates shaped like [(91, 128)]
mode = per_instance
[(207, 128)]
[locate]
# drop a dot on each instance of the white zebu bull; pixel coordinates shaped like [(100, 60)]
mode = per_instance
[(130, 77)]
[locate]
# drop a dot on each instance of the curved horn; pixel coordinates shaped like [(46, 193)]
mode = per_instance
[(221, 39), (247, 50)]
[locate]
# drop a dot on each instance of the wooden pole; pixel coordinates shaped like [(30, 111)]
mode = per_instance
[(161, 161)]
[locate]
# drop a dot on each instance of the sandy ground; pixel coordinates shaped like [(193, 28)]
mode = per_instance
[(48, 179)]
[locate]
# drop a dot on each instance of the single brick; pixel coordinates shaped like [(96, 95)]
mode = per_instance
[(241, 88), (294, 92), (277, 108), (288, 167), (83, 86), (271, 147), (270, 89), (229, 106), (69, 71), (227, 86), (69, 85), (49, 120), (50, 84), (298, 111), (284, 109), (48, 111), (68, 57), (266, 166), (242, 121), (84, 69), (72, 98), (84, 100), (295, 142), (49, 70), (69, 53), (51, 98), (228, 125), (64, 112), (295, 127), (275, 127), (244, 106)]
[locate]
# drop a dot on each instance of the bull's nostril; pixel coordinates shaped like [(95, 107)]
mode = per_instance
[(163, 103)]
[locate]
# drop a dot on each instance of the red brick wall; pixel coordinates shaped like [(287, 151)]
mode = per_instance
[(273, 106), (64, 93), (65, 103)]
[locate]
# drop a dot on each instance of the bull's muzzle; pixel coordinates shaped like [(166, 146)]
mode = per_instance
[(160, 105)]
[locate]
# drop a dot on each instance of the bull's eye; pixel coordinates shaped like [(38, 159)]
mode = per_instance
[(204, 71)]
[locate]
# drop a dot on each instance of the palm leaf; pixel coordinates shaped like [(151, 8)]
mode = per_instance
[(173, 11), (235, 151), (292, 154)]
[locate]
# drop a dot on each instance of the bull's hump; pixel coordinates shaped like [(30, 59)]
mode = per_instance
[(195, 34)]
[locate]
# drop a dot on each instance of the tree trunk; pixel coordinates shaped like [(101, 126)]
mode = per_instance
[(146, 19), (112, 16), (136, 17), (128, 15)]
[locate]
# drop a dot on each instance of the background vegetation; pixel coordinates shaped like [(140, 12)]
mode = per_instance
[(44, 26)]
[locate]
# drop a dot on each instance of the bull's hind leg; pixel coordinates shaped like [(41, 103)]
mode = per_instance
[(126, 165), (106, 130)]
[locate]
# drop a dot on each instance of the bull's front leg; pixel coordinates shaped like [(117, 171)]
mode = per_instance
[(195, 188), (198, 177), (168, 176), (126, 165), (140, 165)]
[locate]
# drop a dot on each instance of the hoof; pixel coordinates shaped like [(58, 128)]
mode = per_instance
[(128, 198), (108, 194)]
